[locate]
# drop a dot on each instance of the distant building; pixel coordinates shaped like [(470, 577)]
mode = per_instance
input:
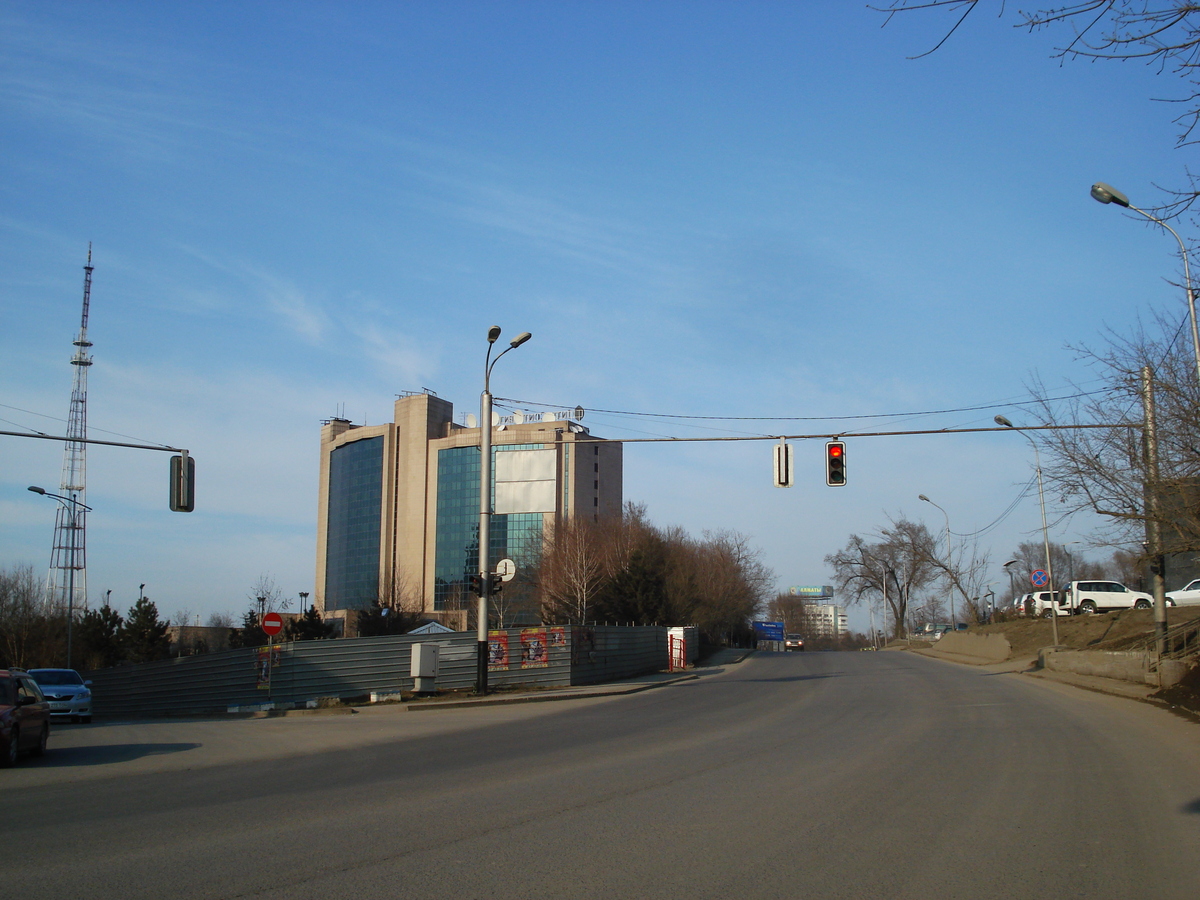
[(826, 620), (398, 507)]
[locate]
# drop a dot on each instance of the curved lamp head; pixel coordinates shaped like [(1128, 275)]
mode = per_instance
[(519, 339), (36, 489), (1108, 194), (1011, 562), (493, 333), (923, 497), (1000, 420)]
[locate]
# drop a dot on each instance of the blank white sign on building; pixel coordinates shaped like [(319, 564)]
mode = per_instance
[(525, 481)]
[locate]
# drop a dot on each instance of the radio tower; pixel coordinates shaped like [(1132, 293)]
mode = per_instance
[(67, 582)]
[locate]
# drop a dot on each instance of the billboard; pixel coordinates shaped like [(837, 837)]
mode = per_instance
[(526, 481), (768, 631)]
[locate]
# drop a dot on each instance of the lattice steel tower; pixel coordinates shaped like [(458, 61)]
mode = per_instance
[(68, 558)]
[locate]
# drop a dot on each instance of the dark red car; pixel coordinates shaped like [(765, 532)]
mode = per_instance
[(24, 716)]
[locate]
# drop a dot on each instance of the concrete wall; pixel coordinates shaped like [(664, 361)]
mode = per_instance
[(1134, 665), (990, 647)]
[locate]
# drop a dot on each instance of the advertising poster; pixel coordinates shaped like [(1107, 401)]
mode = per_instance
[(558, 637), (534, 652), (266, 660), (497, 650)]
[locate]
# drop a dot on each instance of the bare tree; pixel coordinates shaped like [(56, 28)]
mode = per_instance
[(1164, 34), (792, 611), (1103, 469), (891, 568), (574, 567), (964, 571), (31, 632)]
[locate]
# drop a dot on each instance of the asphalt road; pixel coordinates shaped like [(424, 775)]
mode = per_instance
[(808, 775)]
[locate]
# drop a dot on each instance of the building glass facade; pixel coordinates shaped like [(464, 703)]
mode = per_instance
[(355, 506), (456, 553)]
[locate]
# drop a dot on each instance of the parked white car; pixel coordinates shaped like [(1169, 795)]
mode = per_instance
[(1186, 596), (1101, 596)]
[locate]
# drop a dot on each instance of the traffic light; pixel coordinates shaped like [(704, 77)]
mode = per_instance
[(183, 483), (835, 463), (492, 582)]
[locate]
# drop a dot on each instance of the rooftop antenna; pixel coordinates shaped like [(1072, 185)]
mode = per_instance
[(69, 551)]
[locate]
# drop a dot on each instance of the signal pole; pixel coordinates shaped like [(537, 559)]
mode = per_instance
[(67, 581)]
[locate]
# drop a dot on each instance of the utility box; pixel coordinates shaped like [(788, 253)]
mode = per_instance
[(424, 667)]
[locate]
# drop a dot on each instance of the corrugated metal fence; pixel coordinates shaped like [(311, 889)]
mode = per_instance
[(356, 667)]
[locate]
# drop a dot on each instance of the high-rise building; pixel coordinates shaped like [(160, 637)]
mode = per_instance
[(398, 508), (827, 620)]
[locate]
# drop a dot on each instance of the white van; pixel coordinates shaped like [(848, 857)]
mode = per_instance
[(1088, 597)]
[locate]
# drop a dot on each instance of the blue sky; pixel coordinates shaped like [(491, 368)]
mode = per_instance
[(704, 209)]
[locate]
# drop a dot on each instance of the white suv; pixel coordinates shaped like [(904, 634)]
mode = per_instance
[(1102, 596)]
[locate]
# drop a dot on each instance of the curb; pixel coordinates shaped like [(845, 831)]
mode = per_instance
[(545, 698)]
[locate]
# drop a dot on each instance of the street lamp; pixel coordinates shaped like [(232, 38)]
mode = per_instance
[(73, 511), (485, 502), (949, 581), (1012, 587), (1107, 194), (1000, 420), (1070, 560), (304, 601)]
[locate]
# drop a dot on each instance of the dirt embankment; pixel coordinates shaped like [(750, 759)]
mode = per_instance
[(1109, 631)]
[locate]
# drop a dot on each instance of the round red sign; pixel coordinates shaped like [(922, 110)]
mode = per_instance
[(272, 623)]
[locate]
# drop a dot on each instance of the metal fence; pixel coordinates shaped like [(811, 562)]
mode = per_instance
[(358, 667)]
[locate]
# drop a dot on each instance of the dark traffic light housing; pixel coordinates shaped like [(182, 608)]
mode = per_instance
[(183, 483), (493, 582), (835, 463)]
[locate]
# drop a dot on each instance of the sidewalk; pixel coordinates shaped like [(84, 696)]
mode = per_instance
[(711, 665), (1115, 687)]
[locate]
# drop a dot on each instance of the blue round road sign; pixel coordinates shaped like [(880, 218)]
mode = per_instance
[(1039, 578)]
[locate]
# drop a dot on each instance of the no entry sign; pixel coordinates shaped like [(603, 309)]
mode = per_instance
[(272, 624)]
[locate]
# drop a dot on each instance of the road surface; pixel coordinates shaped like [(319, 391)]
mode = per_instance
[(832, 775)]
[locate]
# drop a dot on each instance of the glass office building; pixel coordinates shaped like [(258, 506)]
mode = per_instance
[(517, 536), (398, 508), (352, 547)]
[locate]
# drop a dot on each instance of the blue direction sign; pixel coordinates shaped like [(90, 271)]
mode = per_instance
[(1039, 578), (768, 631)]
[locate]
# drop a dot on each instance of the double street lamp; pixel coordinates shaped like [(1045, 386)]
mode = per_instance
[(73, 511), (485, 503)]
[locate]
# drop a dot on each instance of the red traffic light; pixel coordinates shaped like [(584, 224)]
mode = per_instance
[(835, 463)]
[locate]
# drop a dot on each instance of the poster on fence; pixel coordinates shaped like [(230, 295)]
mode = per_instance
[(497, 649), (534, 654), (558, 637), (266, 660)]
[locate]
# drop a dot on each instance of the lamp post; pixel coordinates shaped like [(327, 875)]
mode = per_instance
[(141, 588), (304, 601), (73, 511), (1107, 194), (949, 580), (1037, 457), (485, 502), (1070, 560), (1012, 586)]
